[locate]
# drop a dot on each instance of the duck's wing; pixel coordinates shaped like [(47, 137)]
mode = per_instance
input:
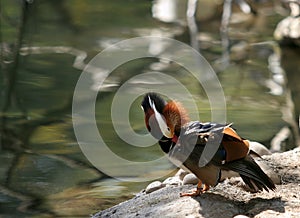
[(232, 153)]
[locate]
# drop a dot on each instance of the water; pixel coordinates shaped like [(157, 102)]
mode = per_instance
[(43, 170)]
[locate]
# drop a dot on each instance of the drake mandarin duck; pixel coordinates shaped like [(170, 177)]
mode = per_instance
[(185, 142)]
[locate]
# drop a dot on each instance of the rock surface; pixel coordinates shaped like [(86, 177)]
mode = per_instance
[(227, 199), (288, 29)]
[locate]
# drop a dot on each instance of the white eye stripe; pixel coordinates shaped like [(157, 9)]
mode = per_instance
[(152, 105), (160, 119)]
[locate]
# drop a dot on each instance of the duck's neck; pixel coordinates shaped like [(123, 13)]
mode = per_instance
[(166, 144)]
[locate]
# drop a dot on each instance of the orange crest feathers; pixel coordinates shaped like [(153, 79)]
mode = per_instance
[(176, 113)]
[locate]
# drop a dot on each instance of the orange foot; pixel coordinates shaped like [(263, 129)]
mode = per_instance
[(198, 191)]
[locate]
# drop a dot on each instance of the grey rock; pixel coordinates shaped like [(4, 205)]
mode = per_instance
[(227, 199), (289, 28), (268, 170)]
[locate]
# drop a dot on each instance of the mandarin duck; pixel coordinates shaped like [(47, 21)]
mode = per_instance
[(205, 149)]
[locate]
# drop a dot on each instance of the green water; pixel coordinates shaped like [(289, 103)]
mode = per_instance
[(43, 172)]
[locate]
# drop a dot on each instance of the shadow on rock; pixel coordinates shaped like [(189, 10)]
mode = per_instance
[(216, 205)]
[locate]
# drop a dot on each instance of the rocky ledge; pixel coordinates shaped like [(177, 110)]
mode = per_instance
[(227, 199)]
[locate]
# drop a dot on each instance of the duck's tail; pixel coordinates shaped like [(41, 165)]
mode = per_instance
[(251, 174)]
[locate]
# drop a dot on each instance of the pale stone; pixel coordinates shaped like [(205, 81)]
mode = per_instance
[(240, 216), (153, 186), (190, 179), (172, 181), (259, 148), (181, 174)]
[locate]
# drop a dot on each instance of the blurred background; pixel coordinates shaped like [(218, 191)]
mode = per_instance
[(253, 46)]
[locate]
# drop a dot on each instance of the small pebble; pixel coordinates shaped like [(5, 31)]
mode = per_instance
[(240, 216), (181, 174), (153, 186), (190, 179), (172, 181)]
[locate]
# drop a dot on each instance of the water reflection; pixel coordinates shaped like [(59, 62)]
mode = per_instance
[(43, 171), (165, 10)]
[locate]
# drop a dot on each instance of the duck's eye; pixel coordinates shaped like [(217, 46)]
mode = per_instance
[(168, 129)]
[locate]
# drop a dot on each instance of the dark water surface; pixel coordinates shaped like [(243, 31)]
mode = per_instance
[(45, 47)]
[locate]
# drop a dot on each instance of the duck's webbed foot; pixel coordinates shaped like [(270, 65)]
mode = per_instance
[(198, 191)]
